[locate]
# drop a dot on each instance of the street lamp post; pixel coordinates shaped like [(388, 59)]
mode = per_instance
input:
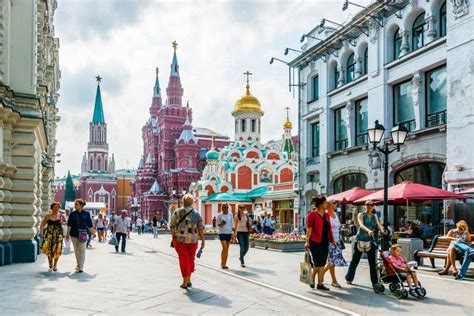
[(399, 135)]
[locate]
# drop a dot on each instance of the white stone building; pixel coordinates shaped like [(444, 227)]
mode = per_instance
[(398, 62), (29, 84)]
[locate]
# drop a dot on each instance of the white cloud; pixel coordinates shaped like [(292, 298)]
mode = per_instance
[(125, 40)]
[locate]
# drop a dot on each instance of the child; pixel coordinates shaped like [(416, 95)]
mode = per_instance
[(400, 265)]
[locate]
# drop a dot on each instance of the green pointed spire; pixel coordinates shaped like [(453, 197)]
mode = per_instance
[(98, 116)]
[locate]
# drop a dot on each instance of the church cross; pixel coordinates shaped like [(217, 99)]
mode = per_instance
[(157, 70), (287, 113), (174, 44), (248, 74)]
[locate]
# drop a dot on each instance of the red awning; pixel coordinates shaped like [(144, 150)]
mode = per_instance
[(349, 196), (470, 191), (411, 193)]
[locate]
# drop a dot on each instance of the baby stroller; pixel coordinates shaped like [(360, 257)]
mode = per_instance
[(396, 281)]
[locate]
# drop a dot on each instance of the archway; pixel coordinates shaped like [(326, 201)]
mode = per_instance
[(346, 182)]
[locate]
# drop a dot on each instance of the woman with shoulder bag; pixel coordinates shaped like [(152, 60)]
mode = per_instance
[(243, 228), (79, 225), (186, 227), (369, 226)]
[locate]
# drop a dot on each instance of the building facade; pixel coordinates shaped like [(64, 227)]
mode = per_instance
[(402, 63), (173, 150), (261, 177), (29, 86)]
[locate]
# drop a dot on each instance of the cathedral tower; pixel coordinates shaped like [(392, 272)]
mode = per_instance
[(174, 91), (247, 114)]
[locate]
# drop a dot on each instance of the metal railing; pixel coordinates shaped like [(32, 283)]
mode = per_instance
[(362, 139), (435, 119), (409, 125), (342, 144)]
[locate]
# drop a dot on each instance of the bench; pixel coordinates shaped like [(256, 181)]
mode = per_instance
[(438, 250)]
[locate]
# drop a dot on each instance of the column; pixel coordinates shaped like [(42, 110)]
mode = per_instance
[(405, 48), (417, 95), (350, 121), (431, 31)]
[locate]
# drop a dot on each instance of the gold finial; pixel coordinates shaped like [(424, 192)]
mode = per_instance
[(248, 74), (157, 70), (98, 78), (213, 134), (287, 113), (175, 45), (287, 124)]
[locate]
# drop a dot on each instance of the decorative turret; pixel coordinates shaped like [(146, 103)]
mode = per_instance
[(98, 116), (156, 103), (287, 143), (174, 91), (212, 156), (247, 113), (187, 135)]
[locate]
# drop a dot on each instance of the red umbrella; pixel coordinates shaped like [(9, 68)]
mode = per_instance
[(470, 191), (406, 192), (349, 196)]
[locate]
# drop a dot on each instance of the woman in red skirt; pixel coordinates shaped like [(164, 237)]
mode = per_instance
[(186, 227)]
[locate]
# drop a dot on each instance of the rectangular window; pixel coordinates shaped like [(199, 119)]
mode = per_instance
[(341, 125), (403, 110), (315, 140), (361, 121), (315, 88), (436, 97)]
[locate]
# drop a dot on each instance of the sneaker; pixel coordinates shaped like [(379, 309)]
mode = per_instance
[(322, 287), (349, 282), (336, 285), (413, 292), (459, 277), (77, 269), (242, 265)]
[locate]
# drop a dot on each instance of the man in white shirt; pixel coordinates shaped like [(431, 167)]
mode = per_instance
[(139, 223), (121, 229)]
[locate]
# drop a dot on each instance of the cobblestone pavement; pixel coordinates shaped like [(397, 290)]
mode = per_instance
[(143, 281), (445, 295)]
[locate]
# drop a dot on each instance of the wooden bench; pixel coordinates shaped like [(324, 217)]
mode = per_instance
[(438, 250)]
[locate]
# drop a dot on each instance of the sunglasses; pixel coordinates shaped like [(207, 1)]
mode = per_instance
[(369, 204)]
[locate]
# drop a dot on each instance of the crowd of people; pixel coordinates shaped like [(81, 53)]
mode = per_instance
[(323, 239)]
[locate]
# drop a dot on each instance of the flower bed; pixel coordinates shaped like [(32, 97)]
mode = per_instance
[(279, 242), (211, 234)]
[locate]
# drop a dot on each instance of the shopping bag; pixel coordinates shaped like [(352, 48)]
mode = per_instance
[(113, 241), (306, 269)]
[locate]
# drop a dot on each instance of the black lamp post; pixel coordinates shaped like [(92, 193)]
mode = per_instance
[(399, 135)]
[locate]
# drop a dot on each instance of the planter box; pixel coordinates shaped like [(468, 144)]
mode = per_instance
[(261, 243), (163, 232), (252, 243), (211, 236), (286, 246)]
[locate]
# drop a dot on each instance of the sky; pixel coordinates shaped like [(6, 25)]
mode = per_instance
[(123, 41)]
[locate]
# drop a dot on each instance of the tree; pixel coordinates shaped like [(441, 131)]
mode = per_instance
[(69, 194)]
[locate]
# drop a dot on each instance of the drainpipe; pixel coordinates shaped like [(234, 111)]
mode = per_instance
[(300, 160)]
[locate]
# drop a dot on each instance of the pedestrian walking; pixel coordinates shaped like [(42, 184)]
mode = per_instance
[(121, 229), (243, 228), (79, 224), (186, 226), (225, 221), (214, 222), (267, 225), (369, 227), (52, 245), (99, 226), (155, 227), (335, 258), (273, 224), (138, 224), (106, 225), (67, 241), (318, 236)]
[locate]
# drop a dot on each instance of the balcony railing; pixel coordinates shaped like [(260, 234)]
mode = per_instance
[(435, 119), (409, 125), (342, 144), (312, 161), (315, 152), (362, 139)]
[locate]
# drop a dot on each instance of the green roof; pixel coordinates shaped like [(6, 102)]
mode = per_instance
[(98, 116), (238, 197)]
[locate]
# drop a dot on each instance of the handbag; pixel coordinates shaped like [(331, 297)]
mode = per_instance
[(364, 246), (113, 241), (180, 221), (306, 269), (82, 235)]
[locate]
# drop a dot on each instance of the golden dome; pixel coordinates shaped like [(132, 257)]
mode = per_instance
[(247, 103), (288, 124)]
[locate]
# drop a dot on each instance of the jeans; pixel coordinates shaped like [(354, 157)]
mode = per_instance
[(139, 230), (79, 252), (122, 236), (267, 230), (243, 238), (155, 232), (468, 254), (371, 256)]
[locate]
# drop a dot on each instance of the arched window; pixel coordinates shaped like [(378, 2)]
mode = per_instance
[(348, 181), (365, 68), (236, 126), (98, 163), (254, 129), (418, 32), (397, 44), (105, 165), (92, 164), (350, 68), (242, 125), (442, 20)]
